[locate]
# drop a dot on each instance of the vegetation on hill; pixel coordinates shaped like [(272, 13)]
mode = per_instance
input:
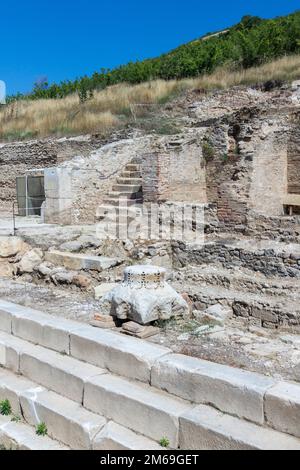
[(120, 105), (250, 43)]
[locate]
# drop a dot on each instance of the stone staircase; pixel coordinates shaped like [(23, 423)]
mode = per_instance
[(98, 389), (123, 204)]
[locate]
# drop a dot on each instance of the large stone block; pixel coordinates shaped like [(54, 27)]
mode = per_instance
[(5, 321), (282, 407), (66, 420), (12, 387), (232, 390), (10, 246), (41, 330), (76, 262), (205, 428), (20, 436), (116, 437), (10, 348), (122, 355), (143, 410), (61, 374)]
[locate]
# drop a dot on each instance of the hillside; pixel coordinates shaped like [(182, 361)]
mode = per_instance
[(140, 106), (250, 53), (251, 42)]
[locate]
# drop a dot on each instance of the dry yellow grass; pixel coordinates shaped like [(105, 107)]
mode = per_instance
[(107, 108), (286, 68)]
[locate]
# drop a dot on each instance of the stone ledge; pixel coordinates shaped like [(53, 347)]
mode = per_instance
[(20, 436), (244, 394), (81, 261), (206, 428), (123, 355), (282, 408), (229, 389), (116, 437), (139, 407)]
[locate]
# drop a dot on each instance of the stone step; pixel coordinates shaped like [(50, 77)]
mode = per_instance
[(123, 195), (116, 437), (66, 421), (69, 378), (234, 391), (208, 429), (127, 188), (75, 261), (247, 395), (132, 167), (129, 181), (123, 355), (131, 211), (122, 202), (130, 174), (16, 435), (60, 373), (141, 408)]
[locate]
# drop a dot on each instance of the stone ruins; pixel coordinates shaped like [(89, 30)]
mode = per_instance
[(144, 296), (152, 298)]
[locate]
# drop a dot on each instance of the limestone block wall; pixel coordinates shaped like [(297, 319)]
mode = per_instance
[(90, 179), (17, 157), (269, 183), (175, 172), (293, 161)]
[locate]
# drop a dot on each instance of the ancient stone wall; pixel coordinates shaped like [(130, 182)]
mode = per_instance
[(293, 160), (176, 171), (269, 177), (17, 157), (267, 260), (92, 177), (279, 228)]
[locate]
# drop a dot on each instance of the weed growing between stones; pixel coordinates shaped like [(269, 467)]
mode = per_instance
[(16, 418), (5, 407), (41, 429), (164, 442)]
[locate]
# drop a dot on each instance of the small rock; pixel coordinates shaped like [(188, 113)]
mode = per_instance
[(82, 281), (30, 261), (219, 312), (128, 245), (63, 277), (72, 247), (10, 246), (45, 269), (6, 269)]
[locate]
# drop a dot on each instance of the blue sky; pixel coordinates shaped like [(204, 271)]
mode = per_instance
[(65, 39)]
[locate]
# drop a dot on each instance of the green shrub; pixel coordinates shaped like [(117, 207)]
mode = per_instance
[(41, 429), (164, 442), (5, 407), (207, 151)]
